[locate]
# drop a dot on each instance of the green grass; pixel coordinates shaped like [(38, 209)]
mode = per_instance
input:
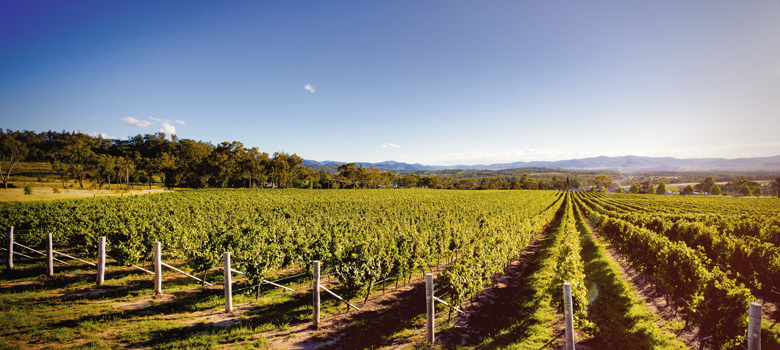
[(521, 317), (620, 317), (60, 312)]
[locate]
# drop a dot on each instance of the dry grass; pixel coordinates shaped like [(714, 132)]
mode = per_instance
[(47, 193)]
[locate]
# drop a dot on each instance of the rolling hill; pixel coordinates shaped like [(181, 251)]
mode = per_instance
[(623, 163)]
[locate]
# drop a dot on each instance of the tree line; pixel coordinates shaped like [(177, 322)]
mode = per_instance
[(149, 159), (172, 162)]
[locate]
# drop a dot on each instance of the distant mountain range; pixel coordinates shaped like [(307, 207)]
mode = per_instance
[(624, 163)]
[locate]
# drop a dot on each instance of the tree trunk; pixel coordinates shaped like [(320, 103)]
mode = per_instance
[(368, 292)]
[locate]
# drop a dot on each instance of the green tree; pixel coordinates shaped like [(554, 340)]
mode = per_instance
[(634, 189), (105, 169), (283, 166), (715, 190), (61, 170), (705, 186), (410, 181), (466, 184), (661, 188), (430, 182), (226, 162), (528, 183), (602, 181), (651, 189), (745, 190), (13, 150), (125, 167), (757, 191), (349, 175), (777, 187), (192, 168), (77, 156), (688, 190), (619, 189)]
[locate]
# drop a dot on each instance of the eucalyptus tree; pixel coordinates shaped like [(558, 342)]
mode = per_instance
[(13, 150)]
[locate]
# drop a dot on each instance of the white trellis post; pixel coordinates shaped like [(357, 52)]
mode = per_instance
[(49, 255), (228, 284), (569, 316), (10, 247), (430, 308), (101, 265), (157, 268), (754, 327), (315, 292)]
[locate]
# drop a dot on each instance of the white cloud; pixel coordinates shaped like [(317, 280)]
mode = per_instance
[(309, 87), (168, 128), (103, 136), (135, 122), (169, 121), (389, 145)]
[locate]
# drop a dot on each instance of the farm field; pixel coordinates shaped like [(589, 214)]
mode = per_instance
[(500, 256)]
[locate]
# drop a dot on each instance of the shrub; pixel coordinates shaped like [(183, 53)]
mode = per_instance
[(27, 190)]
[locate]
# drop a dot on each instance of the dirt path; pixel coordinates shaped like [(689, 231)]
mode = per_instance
[(463, 324), (653, 296)]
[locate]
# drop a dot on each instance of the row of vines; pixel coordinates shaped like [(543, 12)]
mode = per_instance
[(361, 236), (699, 271)]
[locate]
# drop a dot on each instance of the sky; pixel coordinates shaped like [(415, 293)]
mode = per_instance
[(431, 82)]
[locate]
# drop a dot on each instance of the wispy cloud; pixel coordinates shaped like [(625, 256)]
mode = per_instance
[(94, 120), (309, 87), (169, 121), (135, 122), (103, 136), (389, 145), (168, 128)]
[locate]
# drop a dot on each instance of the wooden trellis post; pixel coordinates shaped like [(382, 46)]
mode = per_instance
[(315, 285), (430, 308), (569, 316), (49, 255), (754, 327), (101, 265), (10, 247), (228, 284), (157, 268)]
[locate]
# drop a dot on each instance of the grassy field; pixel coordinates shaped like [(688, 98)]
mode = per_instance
[(70, 312), (44, 184)]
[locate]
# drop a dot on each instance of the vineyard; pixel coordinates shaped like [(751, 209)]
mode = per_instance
[(709, 257)]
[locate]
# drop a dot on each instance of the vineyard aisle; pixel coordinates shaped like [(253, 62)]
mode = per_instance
[(626, 311), (517, 311), (464, 327)]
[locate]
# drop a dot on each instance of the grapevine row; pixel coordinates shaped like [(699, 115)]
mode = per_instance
[(712, 299)]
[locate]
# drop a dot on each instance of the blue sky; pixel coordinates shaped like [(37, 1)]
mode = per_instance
[(434, 82)]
